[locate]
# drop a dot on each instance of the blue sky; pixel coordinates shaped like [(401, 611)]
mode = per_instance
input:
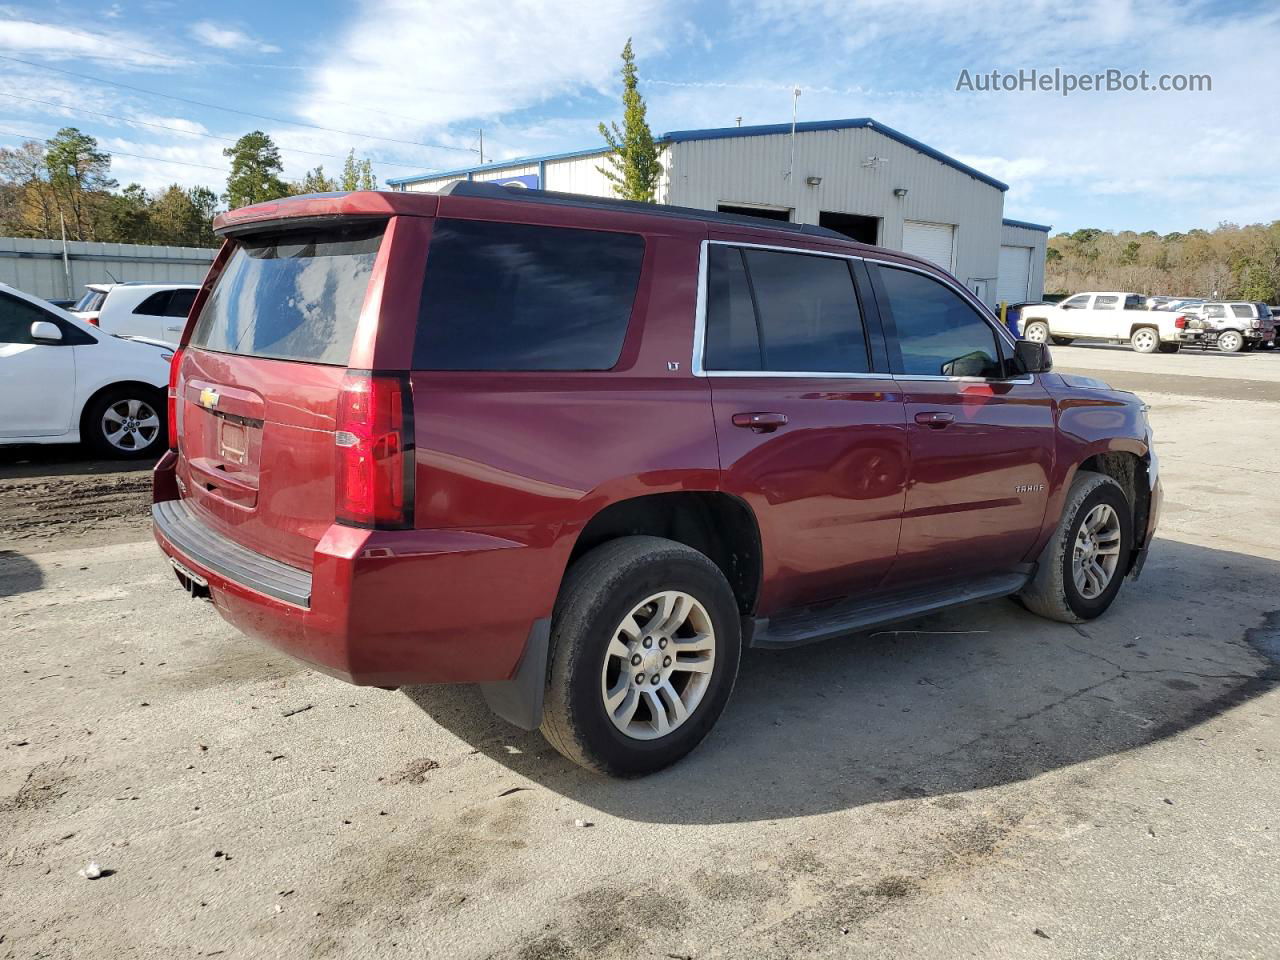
[(410, 83)]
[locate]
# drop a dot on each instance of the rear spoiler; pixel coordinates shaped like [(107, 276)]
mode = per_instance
[(321, 207)]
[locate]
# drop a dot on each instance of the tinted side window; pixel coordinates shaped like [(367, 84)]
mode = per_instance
[(154, 305), (1133, 302), (1078, 302), (1241, 310), (808, 313), (937, 333), (511, 296), (16, 317), (180, 303), (733, 339)]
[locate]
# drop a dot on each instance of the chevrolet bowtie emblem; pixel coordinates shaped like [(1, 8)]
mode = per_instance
[(208, 398)]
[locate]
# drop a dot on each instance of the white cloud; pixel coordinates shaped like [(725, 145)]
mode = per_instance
[(225, 37), (462, 60), (32, 38)]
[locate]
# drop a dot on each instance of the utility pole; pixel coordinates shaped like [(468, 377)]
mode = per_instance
[(482, 146), (66, 262), (795, 101)]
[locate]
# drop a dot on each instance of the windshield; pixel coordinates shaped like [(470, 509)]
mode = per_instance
[(91, 301)]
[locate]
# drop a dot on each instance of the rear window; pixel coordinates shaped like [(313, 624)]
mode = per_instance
[(1242, 310), (511, 296), (294, 295)]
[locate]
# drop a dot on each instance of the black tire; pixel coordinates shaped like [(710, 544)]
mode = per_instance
[(1230, 341), (1063, 341), (148, 441), (1052, 592), (1170, 347), (599, 591), (1145, 340), (1042, 331)]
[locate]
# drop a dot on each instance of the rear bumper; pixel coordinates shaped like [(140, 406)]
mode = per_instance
[(380, 608)]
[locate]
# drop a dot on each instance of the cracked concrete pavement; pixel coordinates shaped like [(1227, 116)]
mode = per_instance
[(978, 783)]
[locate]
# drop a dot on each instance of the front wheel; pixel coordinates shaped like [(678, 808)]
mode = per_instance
[(645, 643), (1037, 331), (126, 422), (1230, 341), (1081, 568), (1145, 340)]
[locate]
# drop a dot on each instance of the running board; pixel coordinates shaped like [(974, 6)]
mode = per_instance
[(844, 617)]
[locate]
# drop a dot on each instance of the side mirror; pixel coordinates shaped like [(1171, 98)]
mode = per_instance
[(45, 331), (1032, 357)]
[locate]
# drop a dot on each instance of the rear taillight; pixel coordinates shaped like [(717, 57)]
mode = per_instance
[(175, 377), (1180, 322), (374, 446), (93, 319)]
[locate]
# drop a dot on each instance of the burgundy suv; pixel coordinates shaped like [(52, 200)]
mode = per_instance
[(581, 452)]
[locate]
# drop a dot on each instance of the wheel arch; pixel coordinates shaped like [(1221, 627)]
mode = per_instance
[(97, 394), (1130, 470), (717, 524)]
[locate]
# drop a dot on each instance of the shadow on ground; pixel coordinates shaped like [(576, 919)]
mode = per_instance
[(18, 574), (61, 460), (956, 702)]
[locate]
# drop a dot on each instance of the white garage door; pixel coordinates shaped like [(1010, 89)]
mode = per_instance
[(1015, 274), (933, 241)]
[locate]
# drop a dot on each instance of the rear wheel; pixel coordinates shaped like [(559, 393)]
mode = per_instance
[(645, 641), (1081, 568), (1145, 340), (126, 422), (1037, 331), (1230, 341)]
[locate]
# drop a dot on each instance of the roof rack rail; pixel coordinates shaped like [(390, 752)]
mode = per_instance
[(495, 191)]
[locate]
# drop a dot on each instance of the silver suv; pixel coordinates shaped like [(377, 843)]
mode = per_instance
[(1234, 325)]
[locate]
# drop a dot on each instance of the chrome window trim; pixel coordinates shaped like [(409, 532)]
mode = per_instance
[(700, 322)]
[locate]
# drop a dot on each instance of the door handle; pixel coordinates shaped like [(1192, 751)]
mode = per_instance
[(760, 422), (935, 419)]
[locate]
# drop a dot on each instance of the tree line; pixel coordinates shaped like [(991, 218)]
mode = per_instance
[(65, 183), (1229, 262)]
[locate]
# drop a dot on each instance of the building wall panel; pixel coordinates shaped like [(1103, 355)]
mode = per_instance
[(36, 266)]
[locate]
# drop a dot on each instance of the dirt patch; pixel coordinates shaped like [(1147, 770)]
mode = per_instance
[(73, 508), (415, 773)]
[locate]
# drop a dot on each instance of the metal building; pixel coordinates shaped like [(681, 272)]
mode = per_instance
[(856, 176), (38, 266), (1022, 252)]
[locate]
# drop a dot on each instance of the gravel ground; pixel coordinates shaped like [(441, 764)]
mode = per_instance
[(980, 783)]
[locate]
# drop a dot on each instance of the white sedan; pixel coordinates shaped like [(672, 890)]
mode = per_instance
[(64, 381)]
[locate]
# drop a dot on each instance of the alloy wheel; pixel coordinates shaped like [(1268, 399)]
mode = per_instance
[(1096, 555), (658, 665), (130, 425)]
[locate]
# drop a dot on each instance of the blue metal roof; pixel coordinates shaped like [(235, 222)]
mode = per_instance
[(1027, 226), (724, 133)]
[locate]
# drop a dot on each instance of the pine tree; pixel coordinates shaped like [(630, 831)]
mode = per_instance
[(255, 171), (633, 155)]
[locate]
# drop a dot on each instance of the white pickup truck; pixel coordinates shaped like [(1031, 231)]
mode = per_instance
[(1114, 317)]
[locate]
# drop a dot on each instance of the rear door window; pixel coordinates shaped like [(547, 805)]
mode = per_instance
[(1242, 310), (180, 302), (1105, 303), (155, 305), (513, 296), (292, 295), (782, 312)]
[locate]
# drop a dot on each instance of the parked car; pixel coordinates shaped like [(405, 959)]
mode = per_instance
[(157, 311), (1179, 305), (580, 452), (1111, 317), (1232, 326), (64, 381)]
